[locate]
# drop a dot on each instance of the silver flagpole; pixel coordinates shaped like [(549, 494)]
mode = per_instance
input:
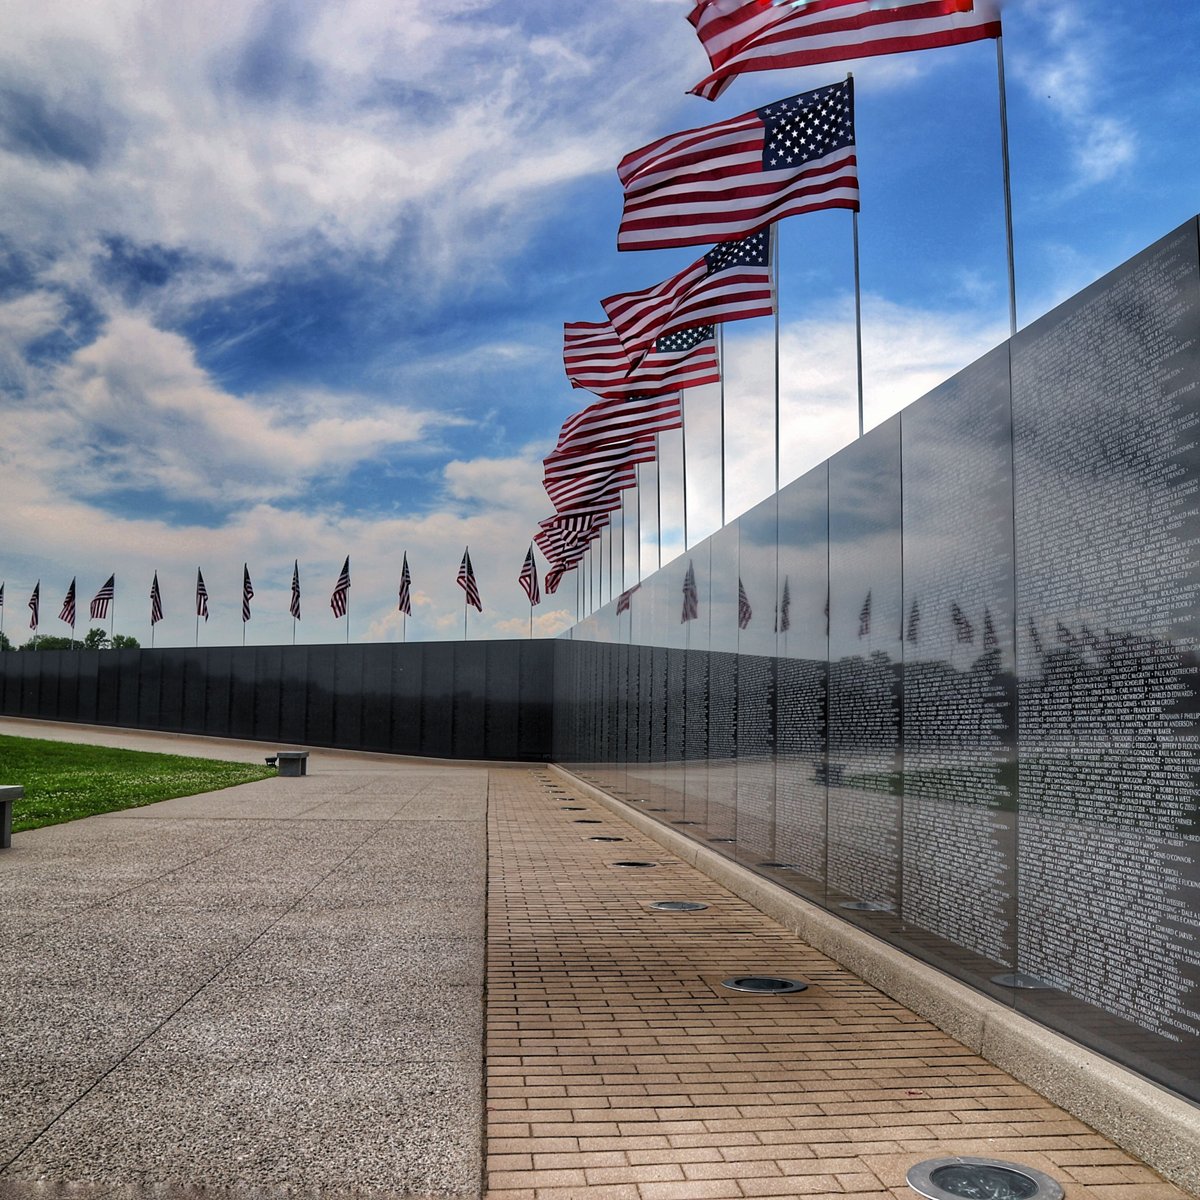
[(638, 522), (683, 454), (721, 371), (775, 299), (1008, 218), (658, 495), (623, 540), (858, 324), (610, 562)]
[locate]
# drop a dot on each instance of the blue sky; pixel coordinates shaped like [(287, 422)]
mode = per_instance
[(287, 280)]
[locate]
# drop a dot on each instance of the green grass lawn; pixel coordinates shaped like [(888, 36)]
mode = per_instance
[(64, 781)]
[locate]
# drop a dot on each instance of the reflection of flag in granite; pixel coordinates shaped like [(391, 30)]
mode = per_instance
[(913, 632), (864, 616), (783, 614), (691, 602), (625, 599), (964, 631), (990, 640), (1036, 638), (745, 612)]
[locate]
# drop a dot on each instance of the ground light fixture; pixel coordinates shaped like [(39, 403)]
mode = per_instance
[(764, 985), (676, 905), (605, 838), (980, 1179), (866, 906), (634, 863)]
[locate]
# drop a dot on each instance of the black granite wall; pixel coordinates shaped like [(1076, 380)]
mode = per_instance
[(946, 683)]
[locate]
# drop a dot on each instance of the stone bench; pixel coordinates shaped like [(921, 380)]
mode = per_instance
[(292, 762), (8, 793)]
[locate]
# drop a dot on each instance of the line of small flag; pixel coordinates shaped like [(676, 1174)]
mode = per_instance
[(338, 600)]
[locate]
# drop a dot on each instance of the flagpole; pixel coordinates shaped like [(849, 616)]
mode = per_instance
[(721, 372), (683, 455), (638, 522), (775, 300), (623, 541), (1008, 217), (858, 324), (658, 495)]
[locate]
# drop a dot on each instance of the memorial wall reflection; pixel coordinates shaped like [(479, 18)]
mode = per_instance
[(946, 683)]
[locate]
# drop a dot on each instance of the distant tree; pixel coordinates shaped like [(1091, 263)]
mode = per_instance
[(51, 642), (125, 641), (95, 639), (5, 644)]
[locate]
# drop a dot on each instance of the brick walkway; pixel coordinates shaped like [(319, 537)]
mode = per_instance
[(618, 1068)]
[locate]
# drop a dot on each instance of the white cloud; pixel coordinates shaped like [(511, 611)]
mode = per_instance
[(134, 411), (1073, 76)]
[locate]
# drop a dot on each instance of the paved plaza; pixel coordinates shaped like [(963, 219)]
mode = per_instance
[(412, 979)]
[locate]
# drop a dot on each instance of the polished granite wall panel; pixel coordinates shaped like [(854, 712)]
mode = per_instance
[(758, 537), (959, 668), (802, 674), (1106, 392), (865, 599)]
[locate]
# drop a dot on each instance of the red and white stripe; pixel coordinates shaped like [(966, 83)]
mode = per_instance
[(756, 36), (611, 421), (690, 298), (708, 185), (595, 359)]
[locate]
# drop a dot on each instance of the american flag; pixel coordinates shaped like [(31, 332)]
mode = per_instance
[(554, 578), (340, 600), (156, 609), (562, 470), (68, 608), (691, 602), (745, 612), (247, 593), (294, 605), (864, 617), (727, 180), (102, 599), (752, 36), (528, 578), (405, 605), (625, 600), (588, 488), (34, 601), (1, 595), (731, 282), (201, 596), (964, 631), (595, 359), (466, 581), (617, 421), (783, 614)]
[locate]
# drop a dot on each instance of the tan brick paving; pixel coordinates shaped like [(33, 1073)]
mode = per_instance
[(618, 1068)]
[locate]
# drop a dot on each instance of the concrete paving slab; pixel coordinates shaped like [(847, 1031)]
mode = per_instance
[(409, 1130)]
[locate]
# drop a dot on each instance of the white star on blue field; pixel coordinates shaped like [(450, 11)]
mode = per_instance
[(287, 280)]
